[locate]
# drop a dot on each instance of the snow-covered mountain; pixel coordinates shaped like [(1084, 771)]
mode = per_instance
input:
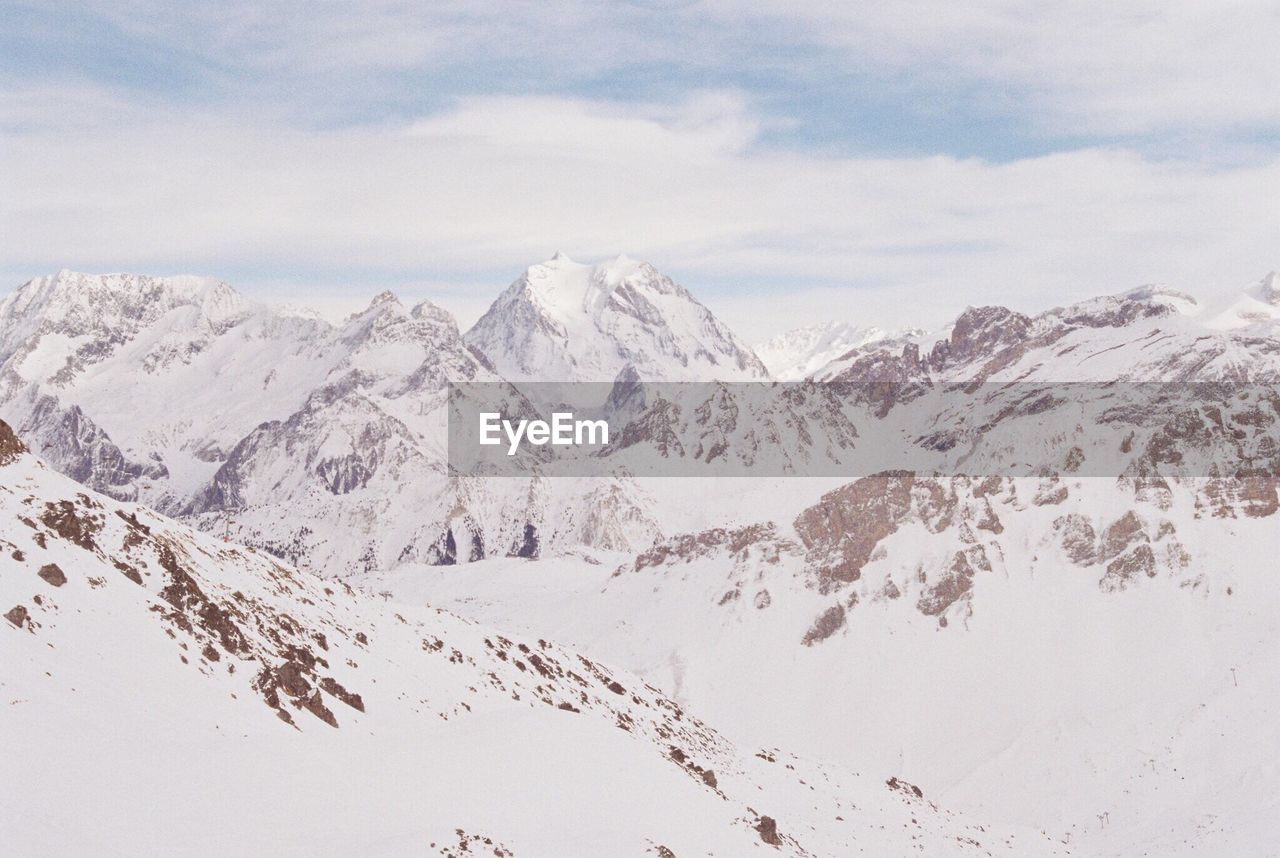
[(1093, 659), (141, 385), (1153, 333), (800, 352), (167, 692), (323, 443), (565, 321), (1088, 656)]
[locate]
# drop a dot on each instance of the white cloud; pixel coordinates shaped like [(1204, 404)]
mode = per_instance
[(497, 183), (1082, 66), (1106, 67)]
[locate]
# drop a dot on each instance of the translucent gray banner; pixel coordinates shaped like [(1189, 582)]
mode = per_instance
[(808, 429)]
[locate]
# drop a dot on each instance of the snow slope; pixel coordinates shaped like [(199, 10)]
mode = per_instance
[(168, 693), (1049, 678)]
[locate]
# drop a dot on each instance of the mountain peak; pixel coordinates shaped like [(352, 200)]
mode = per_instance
[(425, 311), (564, 289), (803, 351), (569, 321), (109, 307)]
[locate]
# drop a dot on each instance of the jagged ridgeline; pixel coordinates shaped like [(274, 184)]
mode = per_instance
[(326, 445)]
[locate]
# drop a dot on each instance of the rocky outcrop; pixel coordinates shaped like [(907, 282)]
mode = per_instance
[(842, 530), (761, 539), (955, 584), (1078, 538), (1126, 549), (10, 446), (767, 827), (79, 448), (52, 574), (827, 624)]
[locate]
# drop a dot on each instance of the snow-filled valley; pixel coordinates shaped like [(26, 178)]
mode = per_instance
[(249, 602)]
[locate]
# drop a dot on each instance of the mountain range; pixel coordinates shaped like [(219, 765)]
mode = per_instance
[(1083, 660)]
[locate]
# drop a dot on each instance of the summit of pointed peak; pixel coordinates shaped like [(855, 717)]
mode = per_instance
[(384, 301), (426, 307), (560, 256), (427, 311), (585, 322), (619, 268)]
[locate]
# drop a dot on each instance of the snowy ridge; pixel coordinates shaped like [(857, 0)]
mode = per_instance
[(799, 353), (1146, 334)]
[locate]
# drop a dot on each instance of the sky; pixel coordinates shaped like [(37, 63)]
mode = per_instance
[(790, 162)]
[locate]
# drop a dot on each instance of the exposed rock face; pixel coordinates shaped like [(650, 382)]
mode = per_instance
[(828, 623), (956, 583), (761, 539), (842, 529), (745, 429), (10, 447), (77, 447), (1121, 571), (77, 521), (17, 616), (468, 845), (981, 331), (52, 574), (1079, 539), (847, 530), (768, 828), (1124, 532), (1126, 549), (909, 789), (527, 547), (1253, 496)]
